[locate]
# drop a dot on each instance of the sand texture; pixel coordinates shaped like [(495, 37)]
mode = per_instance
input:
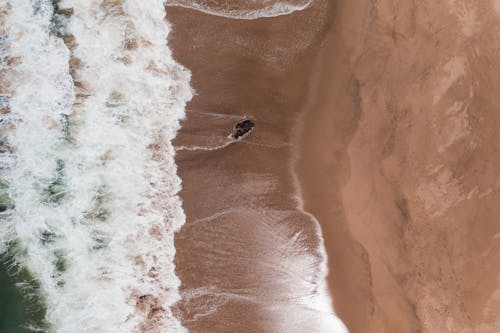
[(382, 117)]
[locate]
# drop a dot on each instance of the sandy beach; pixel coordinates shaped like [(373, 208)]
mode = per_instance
[(407, 216), (246, 250), (222, 166), (379, 120)]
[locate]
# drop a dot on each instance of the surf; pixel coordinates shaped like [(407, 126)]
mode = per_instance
[(89, 176)]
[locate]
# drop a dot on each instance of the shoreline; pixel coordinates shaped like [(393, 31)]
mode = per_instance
[(391, 140), (243, 223), (323, 133), (394, 112)]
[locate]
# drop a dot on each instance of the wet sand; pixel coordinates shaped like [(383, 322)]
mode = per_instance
[(388, 114), (247, 258)]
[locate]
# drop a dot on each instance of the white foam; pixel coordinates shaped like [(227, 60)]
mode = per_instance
[(320, 302), (94, 183), (264, 8)]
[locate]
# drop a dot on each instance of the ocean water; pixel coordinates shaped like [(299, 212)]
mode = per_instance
[(21, 307), (91, 99)]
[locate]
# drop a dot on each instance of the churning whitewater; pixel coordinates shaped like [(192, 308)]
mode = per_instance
[(91, 99)]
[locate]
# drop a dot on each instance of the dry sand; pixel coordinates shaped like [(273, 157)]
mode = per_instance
[(391, 108)]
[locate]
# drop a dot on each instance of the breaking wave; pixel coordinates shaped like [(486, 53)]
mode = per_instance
[(91, 99)]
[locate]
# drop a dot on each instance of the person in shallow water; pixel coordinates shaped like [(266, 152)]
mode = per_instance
[(242, 128)]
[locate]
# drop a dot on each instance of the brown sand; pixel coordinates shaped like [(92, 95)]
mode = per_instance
[(235, 257), (402, 123), (391, 109)]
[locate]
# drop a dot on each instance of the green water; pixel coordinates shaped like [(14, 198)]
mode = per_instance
[(17, 311)]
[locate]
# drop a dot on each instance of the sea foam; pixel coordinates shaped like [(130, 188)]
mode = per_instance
[(244, 10), (90, 168)]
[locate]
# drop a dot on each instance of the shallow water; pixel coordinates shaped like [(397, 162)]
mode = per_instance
[(249, 257), (243, 9)]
